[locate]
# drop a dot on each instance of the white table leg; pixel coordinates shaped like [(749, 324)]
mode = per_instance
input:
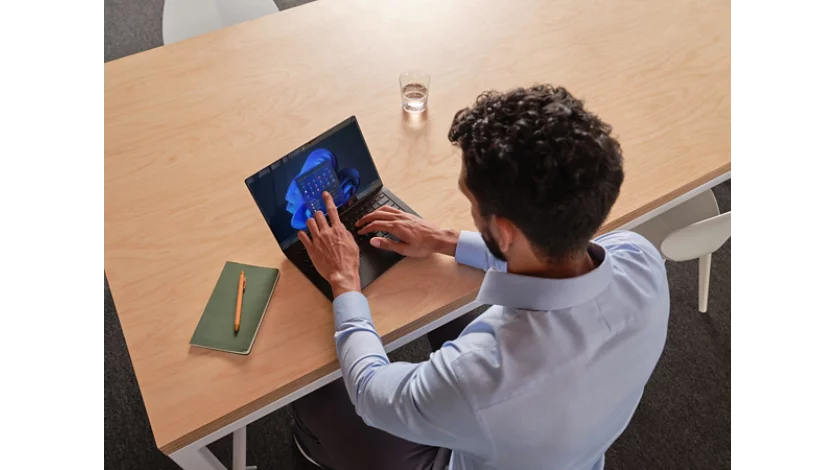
[(239, 450), (199, 458)]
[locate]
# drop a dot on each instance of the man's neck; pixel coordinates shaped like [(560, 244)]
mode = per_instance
[(571, 266)]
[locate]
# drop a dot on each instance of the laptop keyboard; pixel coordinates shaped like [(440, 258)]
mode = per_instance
[(366, 208)]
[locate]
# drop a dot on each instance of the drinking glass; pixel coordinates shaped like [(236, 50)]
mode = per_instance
[(414, 88)]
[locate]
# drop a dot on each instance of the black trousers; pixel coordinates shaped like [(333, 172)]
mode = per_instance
[(333, 435)]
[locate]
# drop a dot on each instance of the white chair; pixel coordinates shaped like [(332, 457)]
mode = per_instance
[(182, 19), (694, 229)]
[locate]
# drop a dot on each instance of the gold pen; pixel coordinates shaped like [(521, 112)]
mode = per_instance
[(241, 286)]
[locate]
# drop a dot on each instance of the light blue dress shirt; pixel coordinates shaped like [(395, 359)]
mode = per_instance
[(547, 378)]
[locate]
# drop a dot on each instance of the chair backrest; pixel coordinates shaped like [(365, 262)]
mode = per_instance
[(182, 19), (698, 239), (700, 207)]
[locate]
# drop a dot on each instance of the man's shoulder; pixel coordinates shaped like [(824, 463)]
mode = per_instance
[(631, 250), (636, 262), (627, 242), (479, 338)]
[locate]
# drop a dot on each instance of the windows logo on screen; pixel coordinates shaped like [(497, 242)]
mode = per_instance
[(319, 173)]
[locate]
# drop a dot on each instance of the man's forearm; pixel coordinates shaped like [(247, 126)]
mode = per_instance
[(357, 343), (446, 241), (341, 283)]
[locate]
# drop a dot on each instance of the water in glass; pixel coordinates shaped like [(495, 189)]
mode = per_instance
[(415, 96)]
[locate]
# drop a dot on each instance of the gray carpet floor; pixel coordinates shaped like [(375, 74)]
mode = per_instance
[(683, 421)]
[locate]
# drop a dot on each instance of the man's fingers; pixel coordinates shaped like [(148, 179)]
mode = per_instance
[(320, 220), (313, 227), (305, 240), (332, 211), (378, 214), (390, 209), (380, 226), (389, 245)]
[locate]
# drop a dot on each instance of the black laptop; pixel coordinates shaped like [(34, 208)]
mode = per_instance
[(289, 190)]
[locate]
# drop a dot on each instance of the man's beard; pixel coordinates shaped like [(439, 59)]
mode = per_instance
[(493, 247)]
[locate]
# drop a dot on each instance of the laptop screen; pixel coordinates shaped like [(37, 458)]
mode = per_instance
[(289, 191)]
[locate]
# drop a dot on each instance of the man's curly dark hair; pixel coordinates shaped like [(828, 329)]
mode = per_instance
[(536, 157)]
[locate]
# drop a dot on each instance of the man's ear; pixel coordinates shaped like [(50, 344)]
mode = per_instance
[(505, 233)]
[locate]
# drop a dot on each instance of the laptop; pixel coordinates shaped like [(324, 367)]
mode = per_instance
[(288, 191)]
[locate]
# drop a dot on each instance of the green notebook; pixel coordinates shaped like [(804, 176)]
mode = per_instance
[(216, 329)]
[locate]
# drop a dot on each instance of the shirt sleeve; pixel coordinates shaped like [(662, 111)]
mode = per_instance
[(472, 251), (423, 403)]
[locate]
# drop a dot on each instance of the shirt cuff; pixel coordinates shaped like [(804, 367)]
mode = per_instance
[(470, 249), (351, 306)]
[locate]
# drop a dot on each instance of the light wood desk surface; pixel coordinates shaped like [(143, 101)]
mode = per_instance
[(186, 123)]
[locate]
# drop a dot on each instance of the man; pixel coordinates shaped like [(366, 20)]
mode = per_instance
[(551, 374)]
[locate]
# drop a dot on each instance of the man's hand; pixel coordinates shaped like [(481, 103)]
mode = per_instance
[(418, 238), (332, 249)]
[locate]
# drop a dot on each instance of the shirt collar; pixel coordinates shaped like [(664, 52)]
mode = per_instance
[(536, 293)]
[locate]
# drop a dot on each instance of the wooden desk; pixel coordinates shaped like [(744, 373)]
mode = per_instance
[(186, 123)]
